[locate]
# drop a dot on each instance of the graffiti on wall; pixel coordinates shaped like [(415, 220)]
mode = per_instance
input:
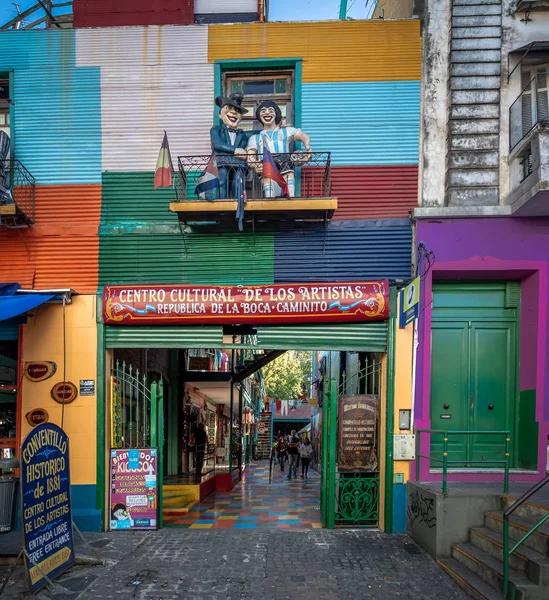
[(421, 509)]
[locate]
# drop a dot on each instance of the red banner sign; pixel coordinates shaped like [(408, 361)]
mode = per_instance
[(275, 304)]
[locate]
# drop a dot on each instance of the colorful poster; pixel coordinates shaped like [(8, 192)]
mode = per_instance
[(46, 502), (134, 486), (357, 433), (116, 413), (357, 301)]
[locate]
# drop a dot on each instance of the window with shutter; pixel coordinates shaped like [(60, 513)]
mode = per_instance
[(527, 106), (542, 93)]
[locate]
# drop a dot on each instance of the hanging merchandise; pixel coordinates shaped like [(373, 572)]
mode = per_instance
[(278, 404), (284, 408)]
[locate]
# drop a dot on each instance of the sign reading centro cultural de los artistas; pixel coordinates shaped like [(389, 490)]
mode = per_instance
[(357, 433), (357, 301), (46, 504), (133, 495)]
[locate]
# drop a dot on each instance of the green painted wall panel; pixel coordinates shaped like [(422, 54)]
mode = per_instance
[(171, 258), (132, 197), (527, 430), (171, 336), (371, 337)]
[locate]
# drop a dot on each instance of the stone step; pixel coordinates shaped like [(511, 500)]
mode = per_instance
[(470, 583), (490, 570), (527, 510), (518, 527), (534, 565)]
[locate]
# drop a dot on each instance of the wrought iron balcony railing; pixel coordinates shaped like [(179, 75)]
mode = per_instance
[(310, 173), (17, 194), (529, 109)]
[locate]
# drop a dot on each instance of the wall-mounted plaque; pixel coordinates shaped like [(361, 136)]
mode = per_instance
[(357, 433), (37, 416), (64, 392), (38, 371)]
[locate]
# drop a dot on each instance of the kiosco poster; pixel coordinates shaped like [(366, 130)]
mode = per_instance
[(46, 502), (133, 497)]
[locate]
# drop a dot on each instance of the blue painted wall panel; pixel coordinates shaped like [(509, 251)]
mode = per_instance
[(346, 250), (57, 106), (363, 123)]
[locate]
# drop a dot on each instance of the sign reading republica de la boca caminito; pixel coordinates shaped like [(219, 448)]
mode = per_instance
[(274, 304), (46, 504)]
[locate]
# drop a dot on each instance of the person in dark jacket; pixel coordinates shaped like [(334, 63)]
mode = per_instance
[(229, 144)]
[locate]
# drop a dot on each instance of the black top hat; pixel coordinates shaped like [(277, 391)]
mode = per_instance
[(234, 100)]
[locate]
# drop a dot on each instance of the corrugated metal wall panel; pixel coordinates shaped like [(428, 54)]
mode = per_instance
[(164, 337), (374, 192), (132, 197), (208, 258), (152, 79), (346, 251), (377, 123), (106, 13), (221, 6), (376, 50), (57, 107), (208, 19), (62, 249), (369, 337), (65, 206)]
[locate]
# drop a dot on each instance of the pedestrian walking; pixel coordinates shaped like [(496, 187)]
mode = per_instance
[(306, 453), (293, 454), (281, 452)]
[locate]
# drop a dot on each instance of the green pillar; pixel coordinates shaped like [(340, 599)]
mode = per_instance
[(241, 427), (390, 412), (332, 442), (231, 431), (343, 9)]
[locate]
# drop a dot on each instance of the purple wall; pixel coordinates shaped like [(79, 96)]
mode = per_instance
[(484, 249)]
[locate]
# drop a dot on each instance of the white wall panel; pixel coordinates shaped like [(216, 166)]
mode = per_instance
[(152, 79), (202, 7)]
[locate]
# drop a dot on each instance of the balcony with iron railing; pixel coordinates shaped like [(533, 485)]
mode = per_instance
[(211, 193), (529, 149), (17, 194)]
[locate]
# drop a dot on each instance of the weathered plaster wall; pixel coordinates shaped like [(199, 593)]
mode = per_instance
[(434, 104)]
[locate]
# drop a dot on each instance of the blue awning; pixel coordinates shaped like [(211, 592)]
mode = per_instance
[(12, 304)]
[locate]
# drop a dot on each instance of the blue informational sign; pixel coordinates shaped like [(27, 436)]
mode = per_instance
[(46, 503)]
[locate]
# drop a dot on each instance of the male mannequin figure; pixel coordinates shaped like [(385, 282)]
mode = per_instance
[(229, 143), (277, 139)]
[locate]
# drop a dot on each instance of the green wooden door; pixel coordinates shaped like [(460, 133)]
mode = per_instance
[(473, 369)]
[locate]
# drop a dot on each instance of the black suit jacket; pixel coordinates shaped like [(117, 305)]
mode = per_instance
[(221, 144)]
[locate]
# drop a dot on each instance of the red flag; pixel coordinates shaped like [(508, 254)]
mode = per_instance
[(270, 171), (163, 176)]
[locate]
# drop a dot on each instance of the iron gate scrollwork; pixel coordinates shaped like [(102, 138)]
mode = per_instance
[(357, 498)]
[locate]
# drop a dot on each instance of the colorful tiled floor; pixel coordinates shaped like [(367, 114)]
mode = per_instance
[(255, 503)]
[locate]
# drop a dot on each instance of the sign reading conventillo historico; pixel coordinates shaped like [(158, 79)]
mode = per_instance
[(46, 504), (357, 433), (275, 304)]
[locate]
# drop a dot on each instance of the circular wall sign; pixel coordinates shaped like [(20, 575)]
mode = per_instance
[(37, 416), (38, 371), (64, 392)]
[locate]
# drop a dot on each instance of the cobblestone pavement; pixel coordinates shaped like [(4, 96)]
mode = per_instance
[(259, 564)]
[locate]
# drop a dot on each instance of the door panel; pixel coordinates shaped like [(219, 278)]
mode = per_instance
[(492, 350), (449, 386)]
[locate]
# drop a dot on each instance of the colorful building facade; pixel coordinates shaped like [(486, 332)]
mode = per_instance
[(88, 111)]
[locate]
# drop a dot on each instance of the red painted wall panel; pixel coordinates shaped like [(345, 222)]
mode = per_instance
[(110, 13), (367, 192)]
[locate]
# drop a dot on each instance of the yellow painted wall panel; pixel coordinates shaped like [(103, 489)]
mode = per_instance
[(403, 385), (331, 50), (43, 340)]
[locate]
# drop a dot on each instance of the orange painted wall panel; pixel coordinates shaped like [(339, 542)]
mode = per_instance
[(62, 249)]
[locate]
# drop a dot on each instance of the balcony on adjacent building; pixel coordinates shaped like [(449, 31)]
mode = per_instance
[(529, 152), (210, 193), (17, 194)]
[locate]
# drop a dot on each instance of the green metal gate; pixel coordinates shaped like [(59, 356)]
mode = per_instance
[(349, 497), (137, 415)]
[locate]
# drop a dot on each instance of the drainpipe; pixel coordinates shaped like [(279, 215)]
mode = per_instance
[(343, 9)]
